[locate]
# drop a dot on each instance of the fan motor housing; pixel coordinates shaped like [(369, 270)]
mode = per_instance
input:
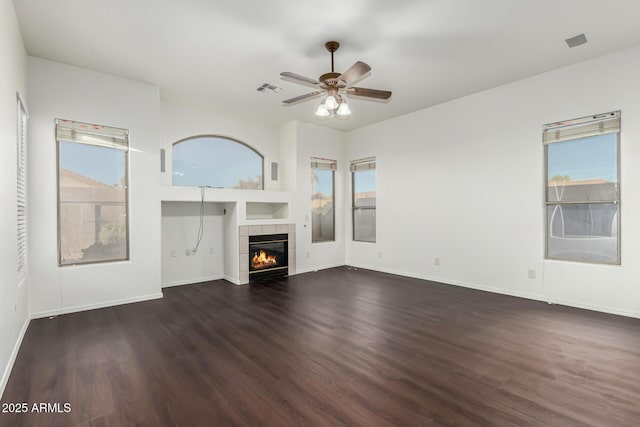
[(329, 76), (331, 80)]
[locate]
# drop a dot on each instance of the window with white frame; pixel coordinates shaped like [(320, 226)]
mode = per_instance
[(92, 193), (323, 200), (218, 162), (21, 140), (582, 191), (363, 199)]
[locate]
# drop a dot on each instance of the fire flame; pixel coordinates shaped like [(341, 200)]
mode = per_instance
[(262, 260)]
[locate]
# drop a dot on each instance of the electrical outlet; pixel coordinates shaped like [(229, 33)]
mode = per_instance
[(308, 255), (531, 274), (187, 252), (173, 253), (379, 254), (210, 251), (436, 261)]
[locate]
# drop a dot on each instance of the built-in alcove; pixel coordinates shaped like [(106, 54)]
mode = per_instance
[(264, 210), (179, 235)]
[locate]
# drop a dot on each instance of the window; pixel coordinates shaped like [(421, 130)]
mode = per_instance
[(322, 200), (92, 193), (21, 190), (363, 200), (217, 162), (582, 189)]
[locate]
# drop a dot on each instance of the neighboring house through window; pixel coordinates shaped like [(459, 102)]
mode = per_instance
[(92, 193), (322, 200)]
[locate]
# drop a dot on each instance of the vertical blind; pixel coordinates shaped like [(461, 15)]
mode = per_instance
[(21, 190)]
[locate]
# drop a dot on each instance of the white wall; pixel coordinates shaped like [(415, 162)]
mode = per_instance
[(61, 91), (463, 181), (14, 315), (288, 166), (180, 225), (316, 141)]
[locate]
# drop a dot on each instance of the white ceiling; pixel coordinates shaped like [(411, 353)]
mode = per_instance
[(214, 53)]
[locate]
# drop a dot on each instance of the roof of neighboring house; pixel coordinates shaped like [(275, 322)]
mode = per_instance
[(74, 179)]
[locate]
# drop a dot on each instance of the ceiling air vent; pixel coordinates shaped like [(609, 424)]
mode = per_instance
[(269, 88), (576, 40)]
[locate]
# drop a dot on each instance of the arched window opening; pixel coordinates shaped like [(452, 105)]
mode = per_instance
[(218, 162)]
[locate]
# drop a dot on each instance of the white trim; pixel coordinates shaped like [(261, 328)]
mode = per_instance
[(321, 267), (67, 310), (526, 295), (191, 281), (12, 358), (22, 279), (234, 281), (598, 308)]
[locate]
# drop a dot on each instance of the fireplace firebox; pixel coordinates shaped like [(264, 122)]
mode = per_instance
[(268, 256)]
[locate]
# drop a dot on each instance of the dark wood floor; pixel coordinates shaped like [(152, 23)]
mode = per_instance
[(338, 347)]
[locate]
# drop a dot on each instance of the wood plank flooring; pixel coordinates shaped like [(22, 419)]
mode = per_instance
[(337, 347)]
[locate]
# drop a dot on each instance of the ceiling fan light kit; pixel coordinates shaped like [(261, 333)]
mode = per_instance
[(322, 111), (335, 87), (343, 109), (330, 102)]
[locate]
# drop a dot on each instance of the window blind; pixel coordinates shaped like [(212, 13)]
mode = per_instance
[(86, 133), (363, 164), (21, 190), (582, 127), (326, 164)]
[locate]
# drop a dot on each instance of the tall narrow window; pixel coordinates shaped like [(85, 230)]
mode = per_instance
[(92, 193), (21, 140), (217, 162), (582, 189), (322, 200), (363, 200)]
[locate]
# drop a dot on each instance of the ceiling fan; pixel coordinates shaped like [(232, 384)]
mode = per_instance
[(335, 86)]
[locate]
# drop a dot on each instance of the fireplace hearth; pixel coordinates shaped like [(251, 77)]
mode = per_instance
[(268, 256)]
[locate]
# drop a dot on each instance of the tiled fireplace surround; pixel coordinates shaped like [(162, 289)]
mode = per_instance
[(258, 230)]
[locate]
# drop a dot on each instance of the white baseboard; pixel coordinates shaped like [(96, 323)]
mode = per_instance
[(592, 307), (67, 310), (322, 267), (535, 297), (234, 281), (12, 358), (192, 281), (455, 283)]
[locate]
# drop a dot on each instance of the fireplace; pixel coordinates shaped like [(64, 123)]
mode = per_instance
[(268, 256)]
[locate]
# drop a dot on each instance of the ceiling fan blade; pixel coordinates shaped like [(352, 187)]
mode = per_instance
[(355, 73), (369, 93), (304, 97), (297, 78)]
